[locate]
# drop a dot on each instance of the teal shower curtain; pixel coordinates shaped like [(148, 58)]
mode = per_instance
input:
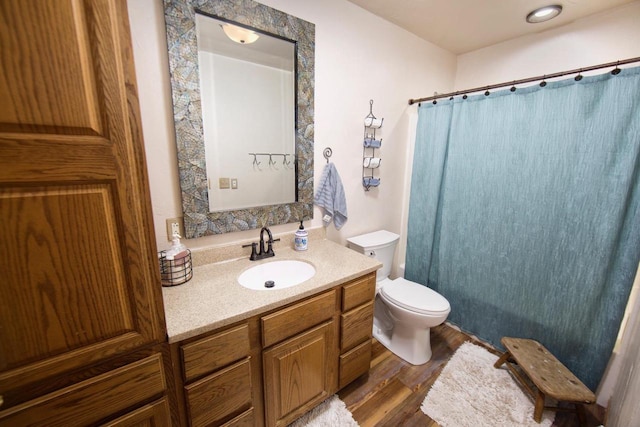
[(525, 213)]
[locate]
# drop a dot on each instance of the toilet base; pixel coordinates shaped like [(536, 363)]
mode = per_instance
[(383, 336), (410, 344)]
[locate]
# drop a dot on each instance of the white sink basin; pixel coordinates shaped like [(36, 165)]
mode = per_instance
[(283, 274)]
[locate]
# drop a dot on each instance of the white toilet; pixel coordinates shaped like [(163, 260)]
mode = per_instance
[(404, 311)]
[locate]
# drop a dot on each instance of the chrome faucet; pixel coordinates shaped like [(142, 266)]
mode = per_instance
[(261, 253)]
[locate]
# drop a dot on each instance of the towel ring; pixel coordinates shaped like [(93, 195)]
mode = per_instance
[(327, 152)]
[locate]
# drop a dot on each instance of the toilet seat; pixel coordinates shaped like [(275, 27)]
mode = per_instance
[(415, 297)]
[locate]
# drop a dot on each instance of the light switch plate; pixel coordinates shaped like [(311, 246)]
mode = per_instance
[(234, 183), (223, 183)]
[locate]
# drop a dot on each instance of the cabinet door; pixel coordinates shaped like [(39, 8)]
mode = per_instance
[(80, 280), (299, 373)]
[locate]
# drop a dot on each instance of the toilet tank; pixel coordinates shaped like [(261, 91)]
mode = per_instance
[(380, 245)]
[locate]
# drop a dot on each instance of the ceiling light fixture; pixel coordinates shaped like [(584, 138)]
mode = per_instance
[(239, 34), (544, 14)]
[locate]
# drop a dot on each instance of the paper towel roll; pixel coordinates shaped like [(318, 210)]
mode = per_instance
[(371, 162), (373, 123)]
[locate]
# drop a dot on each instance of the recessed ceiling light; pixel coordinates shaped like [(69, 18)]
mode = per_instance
[(544, 14)]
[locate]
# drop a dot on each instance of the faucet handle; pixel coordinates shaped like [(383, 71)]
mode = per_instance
[(269, 247), (254, 254)]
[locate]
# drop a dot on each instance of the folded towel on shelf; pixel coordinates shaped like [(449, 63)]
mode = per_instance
[(370, 181), (330, 196), (372, 143)]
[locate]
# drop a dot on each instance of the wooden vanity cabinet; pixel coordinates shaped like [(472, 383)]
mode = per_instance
[(272, 368), (80, 293)]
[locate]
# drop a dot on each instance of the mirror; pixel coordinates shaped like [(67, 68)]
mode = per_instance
[(192, 96), (247, 86)]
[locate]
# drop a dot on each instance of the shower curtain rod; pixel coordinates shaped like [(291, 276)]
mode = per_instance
[(527, 80)]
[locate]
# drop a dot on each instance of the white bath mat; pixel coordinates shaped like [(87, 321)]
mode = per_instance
[(470, 392), (330, 413)]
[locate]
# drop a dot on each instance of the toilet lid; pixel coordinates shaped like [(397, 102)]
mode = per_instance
[(415, 297)]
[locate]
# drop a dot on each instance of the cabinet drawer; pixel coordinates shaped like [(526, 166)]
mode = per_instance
[(354, 363), (297, 318), (358, 292), (208, 354), (357, 326), (154, 414), (94, 399), (220, 395), (243, 420)]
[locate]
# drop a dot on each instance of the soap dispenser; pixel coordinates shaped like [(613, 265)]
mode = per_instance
[(300, 241), (175, 266), (177, 251)]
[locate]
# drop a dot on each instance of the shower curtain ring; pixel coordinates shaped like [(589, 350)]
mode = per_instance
[(543, 83), (616, 70), (579, 76), (513, 86)]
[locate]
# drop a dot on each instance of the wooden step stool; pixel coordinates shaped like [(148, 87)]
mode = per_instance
[(550, 377)]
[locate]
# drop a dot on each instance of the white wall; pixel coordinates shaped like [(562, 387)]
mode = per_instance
[(597, 39), (601, 38), (358, 57)]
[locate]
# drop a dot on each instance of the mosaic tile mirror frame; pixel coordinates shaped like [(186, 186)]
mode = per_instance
[(185, 87)]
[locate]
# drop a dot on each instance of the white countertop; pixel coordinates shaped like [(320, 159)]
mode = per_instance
[(213, 297)]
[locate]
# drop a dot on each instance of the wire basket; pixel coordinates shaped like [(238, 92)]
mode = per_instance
[(175, 271)]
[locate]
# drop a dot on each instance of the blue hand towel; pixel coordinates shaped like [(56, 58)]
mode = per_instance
[(330, 196), (372, 143)]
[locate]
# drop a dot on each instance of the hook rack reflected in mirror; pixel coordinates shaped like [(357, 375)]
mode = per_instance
[(288, 164)]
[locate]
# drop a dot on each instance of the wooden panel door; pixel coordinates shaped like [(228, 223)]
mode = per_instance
[(299, 373), (79, 280)]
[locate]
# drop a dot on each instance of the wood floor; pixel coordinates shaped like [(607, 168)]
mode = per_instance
[(392, 392)]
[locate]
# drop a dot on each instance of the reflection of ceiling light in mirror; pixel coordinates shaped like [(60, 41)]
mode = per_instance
[(544, 14), (238, 34)]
